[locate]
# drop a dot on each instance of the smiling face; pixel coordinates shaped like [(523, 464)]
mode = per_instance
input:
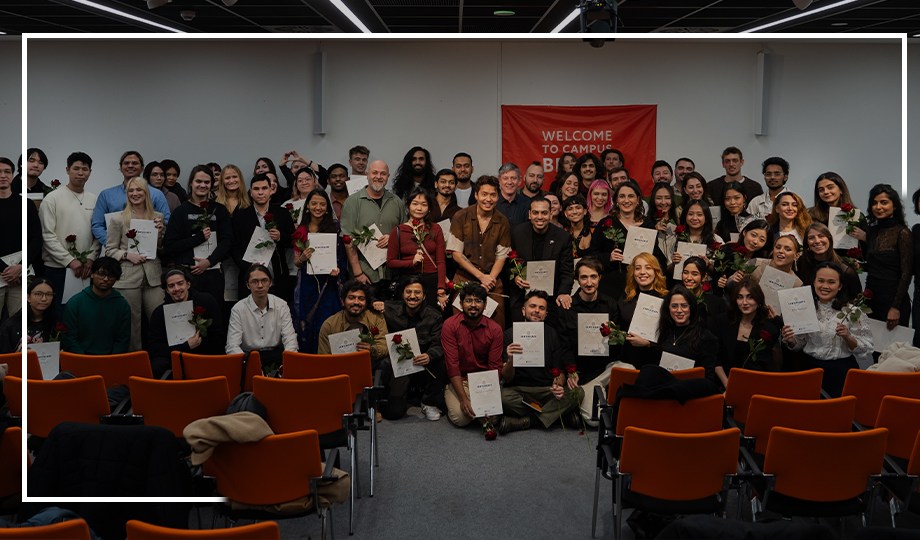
[(201, 186), (627, 200), (509, 182), (882, 206), (682, 168), (177, 287), (539, 215), (131, 166), (418, 207), (745, 302), (663, 200), (486, 198), (136, 194), (446, 185), (261, 167), (358, 163), (554, 205), (691, 277), (574, 213), (172, 176), (694, 189), (463, 168), (534, 309), (569, 186), (337, 179), (827, 284), (377, 175), (734, 202), (829, 192), (588, 171), (599, 198), (787, 208), (305, 182), (732, 164), (817, 242), (231, 180), (679, 309), (695, 218), (662, 174), (533, 178), (473, 307), (317, 207), (419, 162), (355, 303), (413, 296), (618, 178), (755, 239), (643, 273), (785, 252)]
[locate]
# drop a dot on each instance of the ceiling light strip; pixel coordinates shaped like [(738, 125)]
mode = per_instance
[(114, 11), (571, 17), (351, 16), (798, 16)]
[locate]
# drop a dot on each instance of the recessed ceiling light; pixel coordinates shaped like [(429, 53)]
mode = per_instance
[(503, 12)]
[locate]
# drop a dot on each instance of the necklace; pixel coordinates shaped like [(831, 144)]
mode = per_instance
[(78, 198), (678, 335)]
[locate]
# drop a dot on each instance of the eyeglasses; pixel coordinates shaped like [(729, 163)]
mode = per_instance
[(257, 281), (102, 274), (43, 294), (473, 300)]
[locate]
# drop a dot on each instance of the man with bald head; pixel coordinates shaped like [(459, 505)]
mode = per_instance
[(373, 205)]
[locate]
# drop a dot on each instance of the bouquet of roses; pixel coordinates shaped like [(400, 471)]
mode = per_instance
[(612, 332), (857, 308), (518, 268), (199, 321), (81, 256), (269, 225)]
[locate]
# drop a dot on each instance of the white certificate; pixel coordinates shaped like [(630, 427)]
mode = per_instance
[(491, 305), (673, 362), (402, 368), (49, 357), (638, 240), (798, 307), (355, 184), (529, 335), (590, 340), (882, 338), (485, 393), (838, 227), (646, 317), (231, 281), (177, 317), (773, 281), (206, 248), (263, 254), (687, 250), (73, 285), (146, 238), (323, 259), (374, 255), (11, 260), (344, 342), (716, 212), (35, 196), (541, 275)]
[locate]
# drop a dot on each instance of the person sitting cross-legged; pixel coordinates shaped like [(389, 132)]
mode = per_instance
[(538, 393)]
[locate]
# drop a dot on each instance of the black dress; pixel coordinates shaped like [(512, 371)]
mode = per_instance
[(704, 352), (613, 283), (734, 353), (889, 264)]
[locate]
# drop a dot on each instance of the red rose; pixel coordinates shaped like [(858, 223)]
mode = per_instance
[(846, 207), (416, 222), (55, 183), (856, 253), (867, 294), (269, 217), (346, 239), (71, 238), (766, 336), (512, 254), (715, 246), (555, 372), (60, 327), (449, 285), (740, 248), (660, 214), (289, 207), (605, 330), (203, 205), (199, 310), (300, 233), (397, 339), (491, 434), (608, 222), (571, 368), (706, 286), (680, 229), (374, 330), (131, 233)]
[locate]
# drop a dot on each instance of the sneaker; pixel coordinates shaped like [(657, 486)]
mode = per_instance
[(431, 412)]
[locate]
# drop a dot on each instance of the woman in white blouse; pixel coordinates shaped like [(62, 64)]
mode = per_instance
[(833, 347)]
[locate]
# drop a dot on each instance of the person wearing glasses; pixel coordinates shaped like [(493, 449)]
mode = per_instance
[(98, 318), (261, 321)]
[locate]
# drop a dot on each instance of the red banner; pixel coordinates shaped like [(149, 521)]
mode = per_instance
[(544, 133)]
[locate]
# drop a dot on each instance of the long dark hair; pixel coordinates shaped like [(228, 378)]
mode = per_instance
[(820, 210), (695, 327), (886, 189), (672, 212), (753, 288), (429, 198), (842, 297), (327, 225), (403, 183), (706, 234), (49, 317)]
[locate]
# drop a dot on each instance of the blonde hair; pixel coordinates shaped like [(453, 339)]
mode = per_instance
[(128, 213), (241, 194), (802, 218), (658, 284)]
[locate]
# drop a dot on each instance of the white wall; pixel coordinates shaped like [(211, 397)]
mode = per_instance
[(830, 106), (11, 97)]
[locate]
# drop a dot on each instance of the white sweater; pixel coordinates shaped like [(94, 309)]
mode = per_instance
[(62, 215)]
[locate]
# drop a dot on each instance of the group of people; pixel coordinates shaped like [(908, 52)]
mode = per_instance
[(300, 254)]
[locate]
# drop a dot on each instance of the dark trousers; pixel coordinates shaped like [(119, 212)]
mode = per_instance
[(835, 372), (398, 389)]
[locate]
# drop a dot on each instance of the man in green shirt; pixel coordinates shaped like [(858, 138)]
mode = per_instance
[(98, 318)]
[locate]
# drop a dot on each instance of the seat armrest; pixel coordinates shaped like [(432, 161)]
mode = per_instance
[(167, 375), (331, 460)]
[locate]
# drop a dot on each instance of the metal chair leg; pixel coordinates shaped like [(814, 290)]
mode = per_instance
[(597, 485), (618, 507), (351, 498), (372, 413)]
